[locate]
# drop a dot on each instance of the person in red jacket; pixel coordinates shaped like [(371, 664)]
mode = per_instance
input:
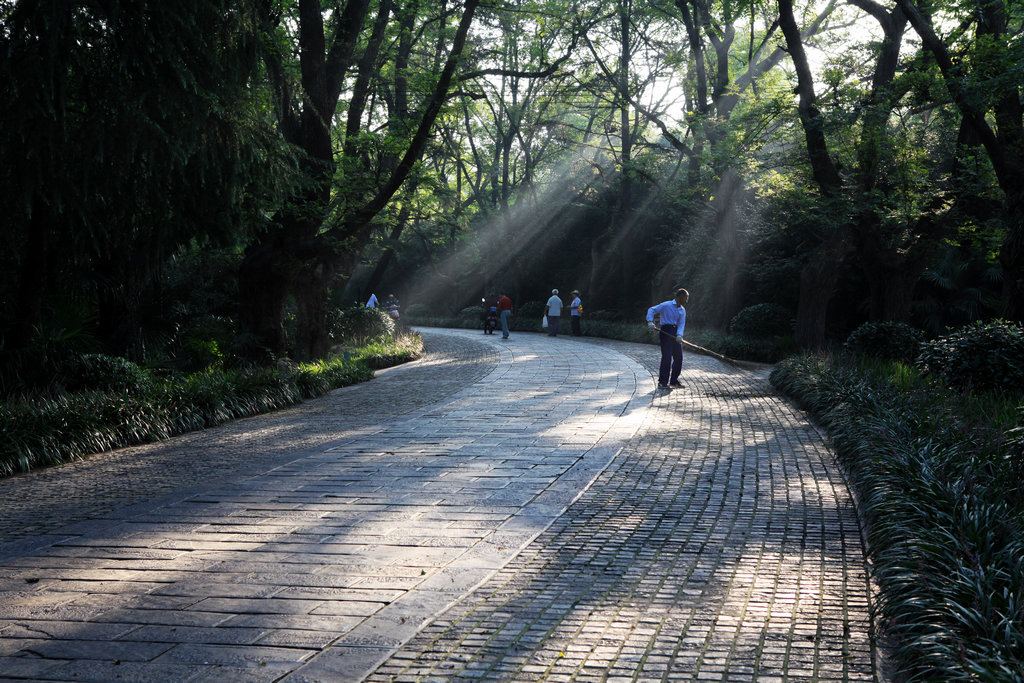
[(505, 311)]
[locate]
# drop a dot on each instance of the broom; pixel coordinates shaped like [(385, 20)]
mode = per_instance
[(738, 364)]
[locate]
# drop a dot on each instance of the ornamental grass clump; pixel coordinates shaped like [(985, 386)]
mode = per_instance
[(940, 494), (384, 354), (138, 407)]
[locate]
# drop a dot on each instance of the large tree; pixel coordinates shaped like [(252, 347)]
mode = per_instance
[(983, 75), (879, 199), (324, 228)]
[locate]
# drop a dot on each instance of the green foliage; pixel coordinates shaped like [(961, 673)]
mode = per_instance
[(610, 329), (887, 340), (97, 372), (470, 316), (134, 407), (417, 311), (605, 314), (531, 310), (963, 283), (381, 354), (358, 325), (33, 368), (979, 357), (762, 321), (940, 489)]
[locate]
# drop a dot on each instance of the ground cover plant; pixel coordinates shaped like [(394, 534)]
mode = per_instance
[(100, 403), (939, 474)]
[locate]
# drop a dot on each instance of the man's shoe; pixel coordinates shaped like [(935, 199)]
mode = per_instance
[(675, 384), (662, 385)]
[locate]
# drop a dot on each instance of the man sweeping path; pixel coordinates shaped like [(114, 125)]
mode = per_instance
[(671, 320)]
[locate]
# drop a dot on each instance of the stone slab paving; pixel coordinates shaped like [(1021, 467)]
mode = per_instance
[(522, 510), (36, 505)]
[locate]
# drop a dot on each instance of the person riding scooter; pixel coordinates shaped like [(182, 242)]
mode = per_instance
[(490, 316)]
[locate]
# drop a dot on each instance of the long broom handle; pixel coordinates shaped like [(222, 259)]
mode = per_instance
[(706, 352)]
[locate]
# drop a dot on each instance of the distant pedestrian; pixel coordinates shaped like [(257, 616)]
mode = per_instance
[(671, 320), (553, 310), (505, 311), (372, 302), (576, 313), (392, 305)]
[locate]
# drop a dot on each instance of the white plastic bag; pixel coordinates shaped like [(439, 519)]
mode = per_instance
[(544, 321)]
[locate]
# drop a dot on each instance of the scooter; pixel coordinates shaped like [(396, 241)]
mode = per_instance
[(490, 317)]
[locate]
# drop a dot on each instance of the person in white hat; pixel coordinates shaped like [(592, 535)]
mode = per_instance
[(553, 310)]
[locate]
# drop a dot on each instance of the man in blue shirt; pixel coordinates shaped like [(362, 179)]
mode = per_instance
[(671, 321)]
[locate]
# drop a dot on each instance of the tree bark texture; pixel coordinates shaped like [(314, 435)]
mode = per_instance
[(821, 272)]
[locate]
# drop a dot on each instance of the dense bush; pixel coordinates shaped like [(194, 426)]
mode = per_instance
[(531, 310), (610, 329), (94, 371), (885, 340), (762, 321), (978, 357), (471, 316), (358, 325), (34, 369), (604, 315), (379, 355), (416, 311), (940, 492), (204, 342)]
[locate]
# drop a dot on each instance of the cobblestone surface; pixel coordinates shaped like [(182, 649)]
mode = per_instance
[(530, 510), (721, 544)]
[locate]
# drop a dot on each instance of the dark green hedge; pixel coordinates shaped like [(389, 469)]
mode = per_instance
[(124, 405), (939, 485)]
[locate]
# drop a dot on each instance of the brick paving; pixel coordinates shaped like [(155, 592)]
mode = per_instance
[(523, 510)]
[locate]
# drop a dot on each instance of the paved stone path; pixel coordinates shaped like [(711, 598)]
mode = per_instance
[(522, 510)]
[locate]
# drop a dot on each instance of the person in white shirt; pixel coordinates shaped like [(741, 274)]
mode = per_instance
[(553, 310), (372, 302), (671, 321), (576, 313)]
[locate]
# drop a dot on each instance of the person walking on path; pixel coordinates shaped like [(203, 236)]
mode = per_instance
[(576, 313), (553, 310), (505, 311), (671, 321)]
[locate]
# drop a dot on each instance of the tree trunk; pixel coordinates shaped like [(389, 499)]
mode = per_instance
[(818, 280), (312, 288), (1011, 257), (728, 256), (264, 281), (32, 280), (819, 276)]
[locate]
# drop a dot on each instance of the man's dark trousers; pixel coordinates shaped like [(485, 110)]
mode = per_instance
[(671, 355)]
